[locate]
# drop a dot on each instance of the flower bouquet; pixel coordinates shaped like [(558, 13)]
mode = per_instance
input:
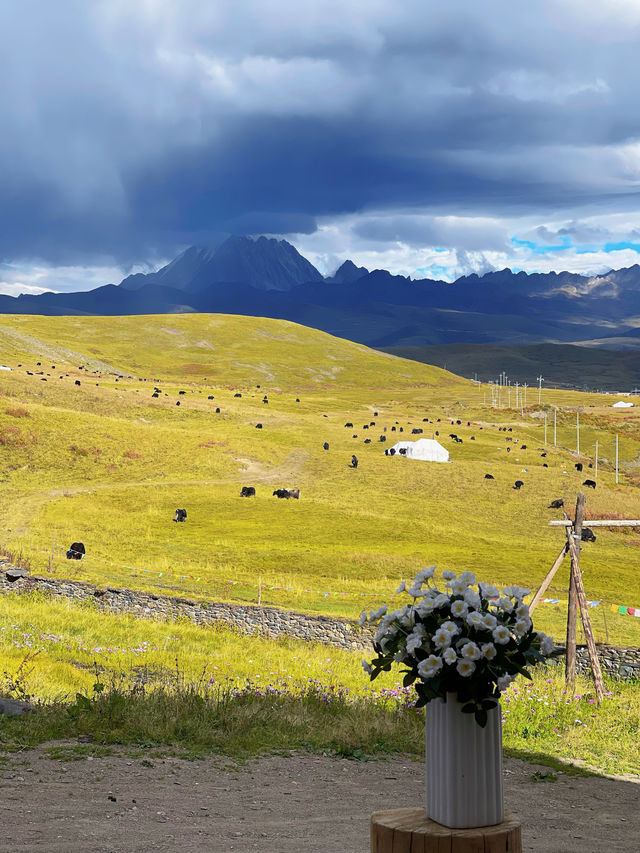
[(470, 640)]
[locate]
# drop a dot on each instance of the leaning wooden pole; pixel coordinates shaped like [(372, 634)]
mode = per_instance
[(535, 601), (574, 534)]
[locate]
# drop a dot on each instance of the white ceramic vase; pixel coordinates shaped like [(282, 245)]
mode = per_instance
[(463, 766)]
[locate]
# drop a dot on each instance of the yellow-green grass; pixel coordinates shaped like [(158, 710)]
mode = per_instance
[(176, 685), (108, 465)]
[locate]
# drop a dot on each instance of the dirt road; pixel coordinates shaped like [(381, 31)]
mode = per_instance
[(298, 804)]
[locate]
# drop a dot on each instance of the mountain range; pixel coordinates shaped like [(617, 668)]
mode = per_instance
[(269, 277)]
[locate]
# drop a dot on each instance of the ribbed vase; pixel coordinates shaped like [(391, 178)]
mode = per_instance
[(463, 766)]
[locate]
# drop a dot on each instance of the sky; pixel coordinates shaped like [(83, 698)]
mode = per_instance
[(431, 139)]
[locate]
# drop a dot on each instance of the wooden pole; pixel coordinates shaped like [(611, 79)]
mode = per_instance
[(588, 635), (573, 539), (549, 577)]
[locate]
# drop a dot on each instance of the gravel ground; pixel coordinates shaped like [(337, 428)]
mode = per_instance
[(296, 804)]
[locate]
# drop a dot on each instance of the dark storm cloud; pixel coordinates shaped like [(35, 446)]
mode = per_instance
[(130, 130)]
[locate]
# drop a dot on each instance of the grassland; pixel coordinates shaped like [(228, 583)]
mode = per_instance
[(106, 463)]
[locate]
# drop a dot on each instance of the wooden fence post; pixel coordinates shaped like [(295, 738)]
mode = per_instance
[(574, 533)]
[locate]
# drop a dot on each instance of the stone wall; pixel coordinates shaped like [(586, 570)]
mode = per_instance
[(248, 619), (251, 619)]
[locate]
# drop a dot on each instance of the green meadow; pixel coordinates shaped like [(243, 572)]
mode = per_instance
[(106, 463)]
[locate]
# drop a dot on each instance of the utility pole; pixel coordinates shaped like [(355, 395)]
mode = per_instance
[(540, 381)]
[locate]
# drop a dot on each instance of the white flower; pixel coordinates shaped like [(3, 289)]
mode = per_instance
[(458, 587), (401, 588), (459, 608), (472, 598), (363, 618), (489, 591), (467, 577), (424, 574), (441, 600), (522, 610), (519, 592), (408, 619), (429, 667), (489, 621), (546, 645), (377, 614), (505, 604), (448, 575), (470, 651), (488, 651), (450, 627), (425, 607), (475, 619), (521, 627), (367, 667), (442, 638), (501, 635), (465, 667), (416, 590), (416, 639), (504, 681), (449, 655)]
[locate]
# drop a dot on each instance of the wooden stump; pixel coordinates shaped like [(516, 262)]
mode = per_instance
[(411, 831)]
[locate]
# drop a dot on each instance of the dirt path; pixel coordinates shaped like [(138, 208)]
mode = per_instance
[(299, 804)]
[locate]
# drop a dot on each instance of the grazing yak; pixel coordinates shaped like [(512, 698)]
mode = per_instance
[(354, 461), (258, 426), (382, 438), (393, 429), (557, 504), (544, 465), (349, 424), (287, 493), (591, 484), (518, 484), (180, 515), (489, 477), (210, 397), (326, 445), (237, 395), (76, 551), (248, 492), (402, 451), (367, 441), (217, 411), (588, 535), (77, 381), (578, 466), (524, 447), (416, 431)]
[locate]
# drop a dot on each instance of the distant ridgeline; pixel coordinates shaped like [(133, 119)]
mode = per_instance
[(250, 619), (269, 278)]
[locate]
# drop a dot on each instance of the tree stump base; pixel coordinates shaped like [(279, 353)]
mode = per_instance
[(411, 831)]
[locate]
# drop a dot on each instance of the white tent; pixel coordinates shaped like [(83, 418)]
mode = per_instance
[(426, 449), (622, 405)]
